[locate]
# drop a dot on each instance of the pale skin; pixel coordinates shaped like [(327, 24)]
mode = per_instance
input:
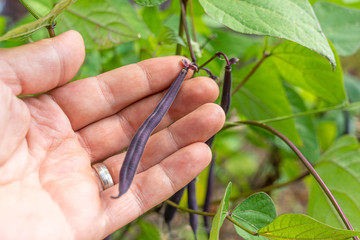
[(47, 143)]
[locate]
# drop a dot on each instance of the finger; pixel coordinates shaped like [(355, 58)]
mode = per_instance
[(14, 123), (154, 185), (42, 65), (89, 100), (198, 126), (111, 135)]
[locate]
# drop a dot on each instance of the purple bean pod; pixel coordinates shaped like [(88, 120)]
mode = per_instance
[(170, 211), (137, 145), (193, 205), (225, 105), (209, 192)]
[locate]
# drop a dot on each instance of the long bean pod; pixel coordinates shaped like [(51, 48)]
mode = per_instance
[(192, 204), (170, 210), (225, 105), (137, 145)]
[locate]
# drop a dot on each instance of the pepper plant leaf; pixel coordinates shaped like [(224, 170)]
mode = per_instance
[(221, 214), (289, 19), (299, 226)]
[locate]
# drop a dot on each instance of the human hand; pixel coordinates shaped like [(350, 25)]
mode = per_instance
[(48, 142)]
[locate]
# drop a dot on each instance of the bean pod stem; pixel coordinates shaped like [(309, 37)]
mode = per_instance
[(137, 145)]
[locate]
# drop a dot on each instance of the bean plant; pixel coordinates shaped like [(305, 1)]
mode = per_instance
[(289, 76)]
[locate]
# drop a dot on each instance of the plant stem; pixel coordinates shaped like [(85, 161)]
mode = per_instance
[(181, 31), (218, 54), (309, 167), (345, 106), (192, 20), (183, 4), (253, 70), (210, 215), (30, 9), (240, 226), (189, 210), (311, 112), (51, 29)]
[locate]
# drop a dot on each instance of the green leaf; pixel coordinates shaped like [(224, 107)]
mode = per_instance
[(339, 167), (255, 212), (221, 214), (305, 126), (290, 19), (103, 23), (150, 16), (149, 3), (25, 30), (298, 226), (326, 131), (352, 87), (305, 69), (264, 97), (341, 25), (169, 36)]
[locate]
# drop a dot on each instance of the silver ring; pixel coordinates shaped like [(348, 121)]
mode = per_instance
[(104, 175)]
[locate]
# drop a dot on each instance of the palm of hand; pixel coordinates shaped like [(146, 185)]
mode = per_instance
[(49, 141)]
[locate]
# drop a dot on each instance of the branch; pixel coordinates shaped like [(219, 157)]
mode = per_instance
[(183, 4), (192, 20), (30, 9), (210, 215), (253, 70)]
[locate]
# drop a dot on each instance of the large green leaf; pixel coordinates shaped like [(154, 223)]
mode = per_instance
[(29, 28), (221, 214), (298, 226), (149, 3), (290, 19), (103, 23), (254, 213), (305, 126), (305, 69), (339, 167), (264, 97), (341, 25)]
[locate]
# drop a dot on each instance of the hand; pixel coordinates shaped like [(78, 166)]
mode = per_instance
[(48, 142)]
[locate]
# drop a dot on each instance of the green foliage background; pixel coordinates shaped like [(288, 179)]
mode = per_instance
[(296, 89)]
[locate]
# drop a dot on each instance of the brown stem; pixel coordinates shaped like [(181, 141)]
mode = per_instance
[(253, 70), (192, 20), (186, 28), (51, 30), (181, 33)]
